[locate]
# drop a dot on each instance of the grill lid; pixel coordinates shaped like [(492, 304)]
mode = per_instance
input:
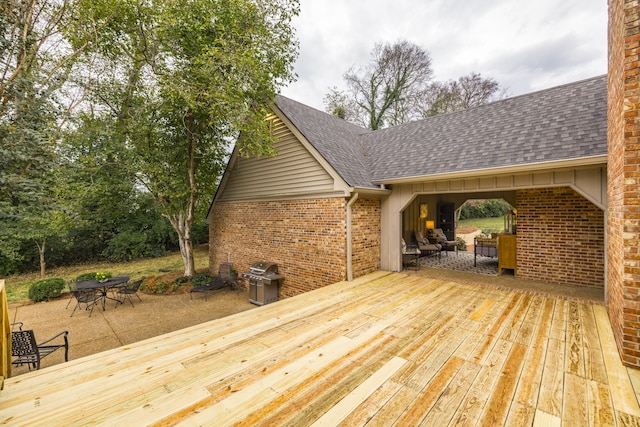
[(263, 268)]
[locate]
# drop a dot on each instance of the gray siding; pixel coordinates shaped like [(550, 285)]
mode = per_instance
[(292, 172)]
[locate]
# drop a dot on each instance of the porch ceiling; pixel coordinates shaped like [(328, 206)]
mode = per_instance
[(386, 348)]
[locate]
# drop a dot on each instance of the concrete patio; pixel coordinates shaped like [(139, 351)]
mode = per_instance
[(116, 326)]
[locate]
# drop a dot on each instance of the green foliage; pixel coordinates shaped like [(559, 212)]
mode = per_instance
[(483, 223), (461, 244), (33, 108), (201, 279), (86, 276), (102, 275), (156, 286), (492, 208), (160, 285), (128, 246), (175, 83), (44, 290), (188, 78), (487, 232)]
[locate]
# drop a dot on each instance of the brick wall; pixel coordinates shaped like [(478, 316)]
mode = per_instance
[(554, 226), (306, 238), (366, 233), (615, 168), (623, 261)]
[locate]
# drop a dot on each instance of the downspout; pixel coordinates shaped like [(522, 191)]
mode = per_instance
[(349, 244)]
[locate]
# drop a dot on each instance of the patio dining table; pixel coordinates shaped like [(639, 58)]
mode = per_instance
[(103, 287)]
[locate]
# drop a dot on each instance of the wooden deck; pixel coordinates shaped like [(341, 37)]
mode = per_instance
[(386, 349)]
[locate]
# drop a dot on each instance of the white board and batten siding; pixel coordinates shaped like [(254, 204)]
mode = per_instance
[(292, 173)]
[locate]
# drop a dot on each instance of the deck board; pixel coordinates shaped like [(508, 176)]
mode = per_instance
[(386, 349)]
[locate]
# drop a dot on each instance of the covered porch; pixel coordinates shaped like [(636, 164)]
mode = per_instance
[(561, 231), (384, 349)]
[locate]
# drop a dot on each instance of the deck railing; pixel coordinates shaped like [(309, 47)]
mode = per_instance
[(5, 327)]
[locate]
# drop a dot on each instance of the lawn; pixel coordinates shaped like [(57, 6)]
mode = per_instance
[(18, 285), (487, 225)]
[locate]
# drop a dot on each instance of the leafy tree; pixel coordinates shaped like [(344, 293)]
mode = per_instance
[(491, 208), (32, 72), (187, 78), (454, 95), (387, 90)]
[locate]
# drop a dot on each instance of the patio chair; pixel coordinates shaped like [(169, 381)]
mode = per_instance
[(440, 238), (26, 350), (128, 289), (88, 297), (426, 246), (410, 255), (218, 283)]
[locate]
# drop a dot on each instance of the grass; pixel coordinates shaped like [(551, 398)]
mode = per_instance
[(484, 224), (18, 285)]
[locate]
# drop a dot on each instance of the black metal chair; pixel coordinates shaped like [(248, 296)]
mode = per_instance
[(130, 288), (218, 283), (88, 297), (26, 351)]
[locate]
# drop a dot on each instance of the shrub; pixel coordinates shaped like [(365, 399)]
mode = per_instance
[(86, 276), (201, 279), (489, 231), (155, 285), (170, 283), (461, 244), (43, 290)]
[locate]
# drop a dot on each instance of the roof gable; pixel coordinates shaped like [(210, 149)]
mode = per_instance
[(338, 141)]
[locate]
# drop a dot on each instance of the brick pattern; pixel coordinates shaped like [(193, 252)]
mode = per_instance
[(615, 170), (366, 234), (554, 226), (624, 177), (306, 238)]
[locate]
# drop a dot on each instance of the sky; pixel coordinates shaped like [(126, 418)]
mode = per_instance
[(524, 45)]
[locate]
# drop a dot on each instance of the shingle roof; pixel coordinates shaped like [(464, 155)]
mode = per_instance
[(562, 123)]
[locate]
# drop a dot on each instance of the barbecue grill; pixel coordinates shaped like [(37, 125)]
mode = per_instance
[(263, 282)]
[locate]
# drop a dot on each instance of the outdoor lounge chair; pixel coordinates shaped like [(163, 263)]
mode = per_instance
[(427, 247), (218, 283), (440, 238), (26, 351)]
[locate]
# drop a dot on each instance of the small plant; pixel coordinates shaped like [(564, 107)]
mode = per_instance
[(44, 290), (171, 283), (201, 279), (461, 244), (103, 275)]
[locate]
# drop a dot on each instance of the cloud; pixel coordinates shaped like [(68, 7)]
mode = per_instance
[(524, 45)]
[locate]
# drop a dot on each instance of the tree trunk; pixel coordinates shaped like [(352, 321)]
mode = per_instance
[(43, 264), (182, 225), (186, 250)]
